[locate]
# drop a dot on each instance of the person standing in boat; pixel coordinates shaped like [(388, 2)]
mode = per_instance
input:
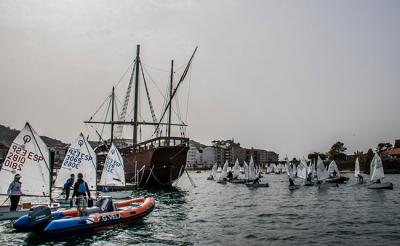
[(14, 192), (67, 186), (81, 188)]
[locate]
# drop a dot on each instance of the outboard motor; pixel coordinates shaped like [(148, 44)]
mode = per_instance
[(105, 204), (39, 216)]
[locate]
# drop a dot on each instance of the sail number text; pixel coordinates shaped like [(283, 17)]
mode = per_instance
[(110, 164), (17, 156), (74, 158)]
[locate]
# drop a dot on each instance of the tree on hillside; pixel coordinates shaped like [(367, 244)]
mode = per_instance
[(337, 151), (382, 147), (314, 156)]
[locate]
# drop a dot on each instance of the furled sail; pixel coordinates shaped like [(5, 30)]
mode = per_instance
[(29, 157), (357, 168), (376, 168), (236, 169), (113, 171), (80, 158), (322, 173)]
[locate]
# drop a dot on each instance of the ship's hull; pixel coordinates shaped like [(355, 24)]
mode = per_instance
[(155, 167)]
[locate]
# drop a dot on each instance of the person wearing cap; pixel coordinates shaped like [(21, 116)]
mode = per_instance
[(14, 192)]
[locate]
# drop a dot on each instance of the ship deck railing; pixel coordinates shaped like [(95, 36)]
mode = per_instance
[(159, 142)]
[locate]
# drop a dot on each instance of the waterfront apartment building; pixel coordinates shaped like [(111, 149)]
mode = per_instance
[(202, 156), (226, 150)]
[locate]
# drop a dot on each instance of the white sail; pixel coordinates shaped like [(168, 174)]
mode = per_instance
[(246, 170), (333, 168), (311, 168), (113, 171), (290, 172), (356, 168), (279, 167), (236, 169), (252, 170), (376, 168), (29, 157), (322, 173), (224, 173), (214, 170), (80, 158), (302, 170)]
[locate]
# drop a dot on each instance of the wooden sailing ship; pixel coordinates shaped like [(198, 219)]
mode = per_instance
[(161, 160)]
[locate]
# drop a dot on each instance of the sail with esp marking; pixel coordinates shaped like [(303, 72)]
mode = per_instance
[(29, 157), (80, 158), (113, 171)]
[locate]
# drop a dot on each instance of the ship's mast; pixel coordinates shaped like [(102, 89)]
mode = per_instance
[(112, 116), (170, 98), (136, 98)]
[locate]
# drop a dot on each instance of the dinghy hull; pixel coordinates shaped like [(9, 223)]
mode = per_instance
[(6, 214), (294, 187), (338, 180), (252, 185), (381, 186), (237, 181)]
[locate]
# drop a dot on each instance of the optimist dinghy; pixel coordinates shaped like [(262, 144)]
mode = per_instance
[(377, 174), (29, 157), (80, 158)]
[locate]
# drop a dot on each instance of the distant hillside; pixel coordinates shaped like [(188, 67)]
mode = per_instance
[(7, 135)]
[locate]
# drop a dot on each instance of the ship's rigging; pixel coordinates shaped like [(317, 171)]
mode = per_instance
[(162, 125)]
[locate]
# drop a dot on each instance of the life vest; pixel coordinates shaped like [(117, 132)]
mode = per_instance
[(82, 187), (68, 184)]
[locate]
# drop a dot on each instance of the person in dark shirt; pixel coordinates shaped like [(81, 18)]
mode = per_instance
[(67, 186), (81, 188), (291, 182)]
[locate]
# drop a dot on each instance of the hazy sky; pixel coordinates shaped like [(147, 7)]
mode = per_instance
[(290, 76)]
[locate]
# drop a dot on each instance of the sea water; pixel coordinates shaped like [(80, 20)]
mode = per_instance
[(233, 214)]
